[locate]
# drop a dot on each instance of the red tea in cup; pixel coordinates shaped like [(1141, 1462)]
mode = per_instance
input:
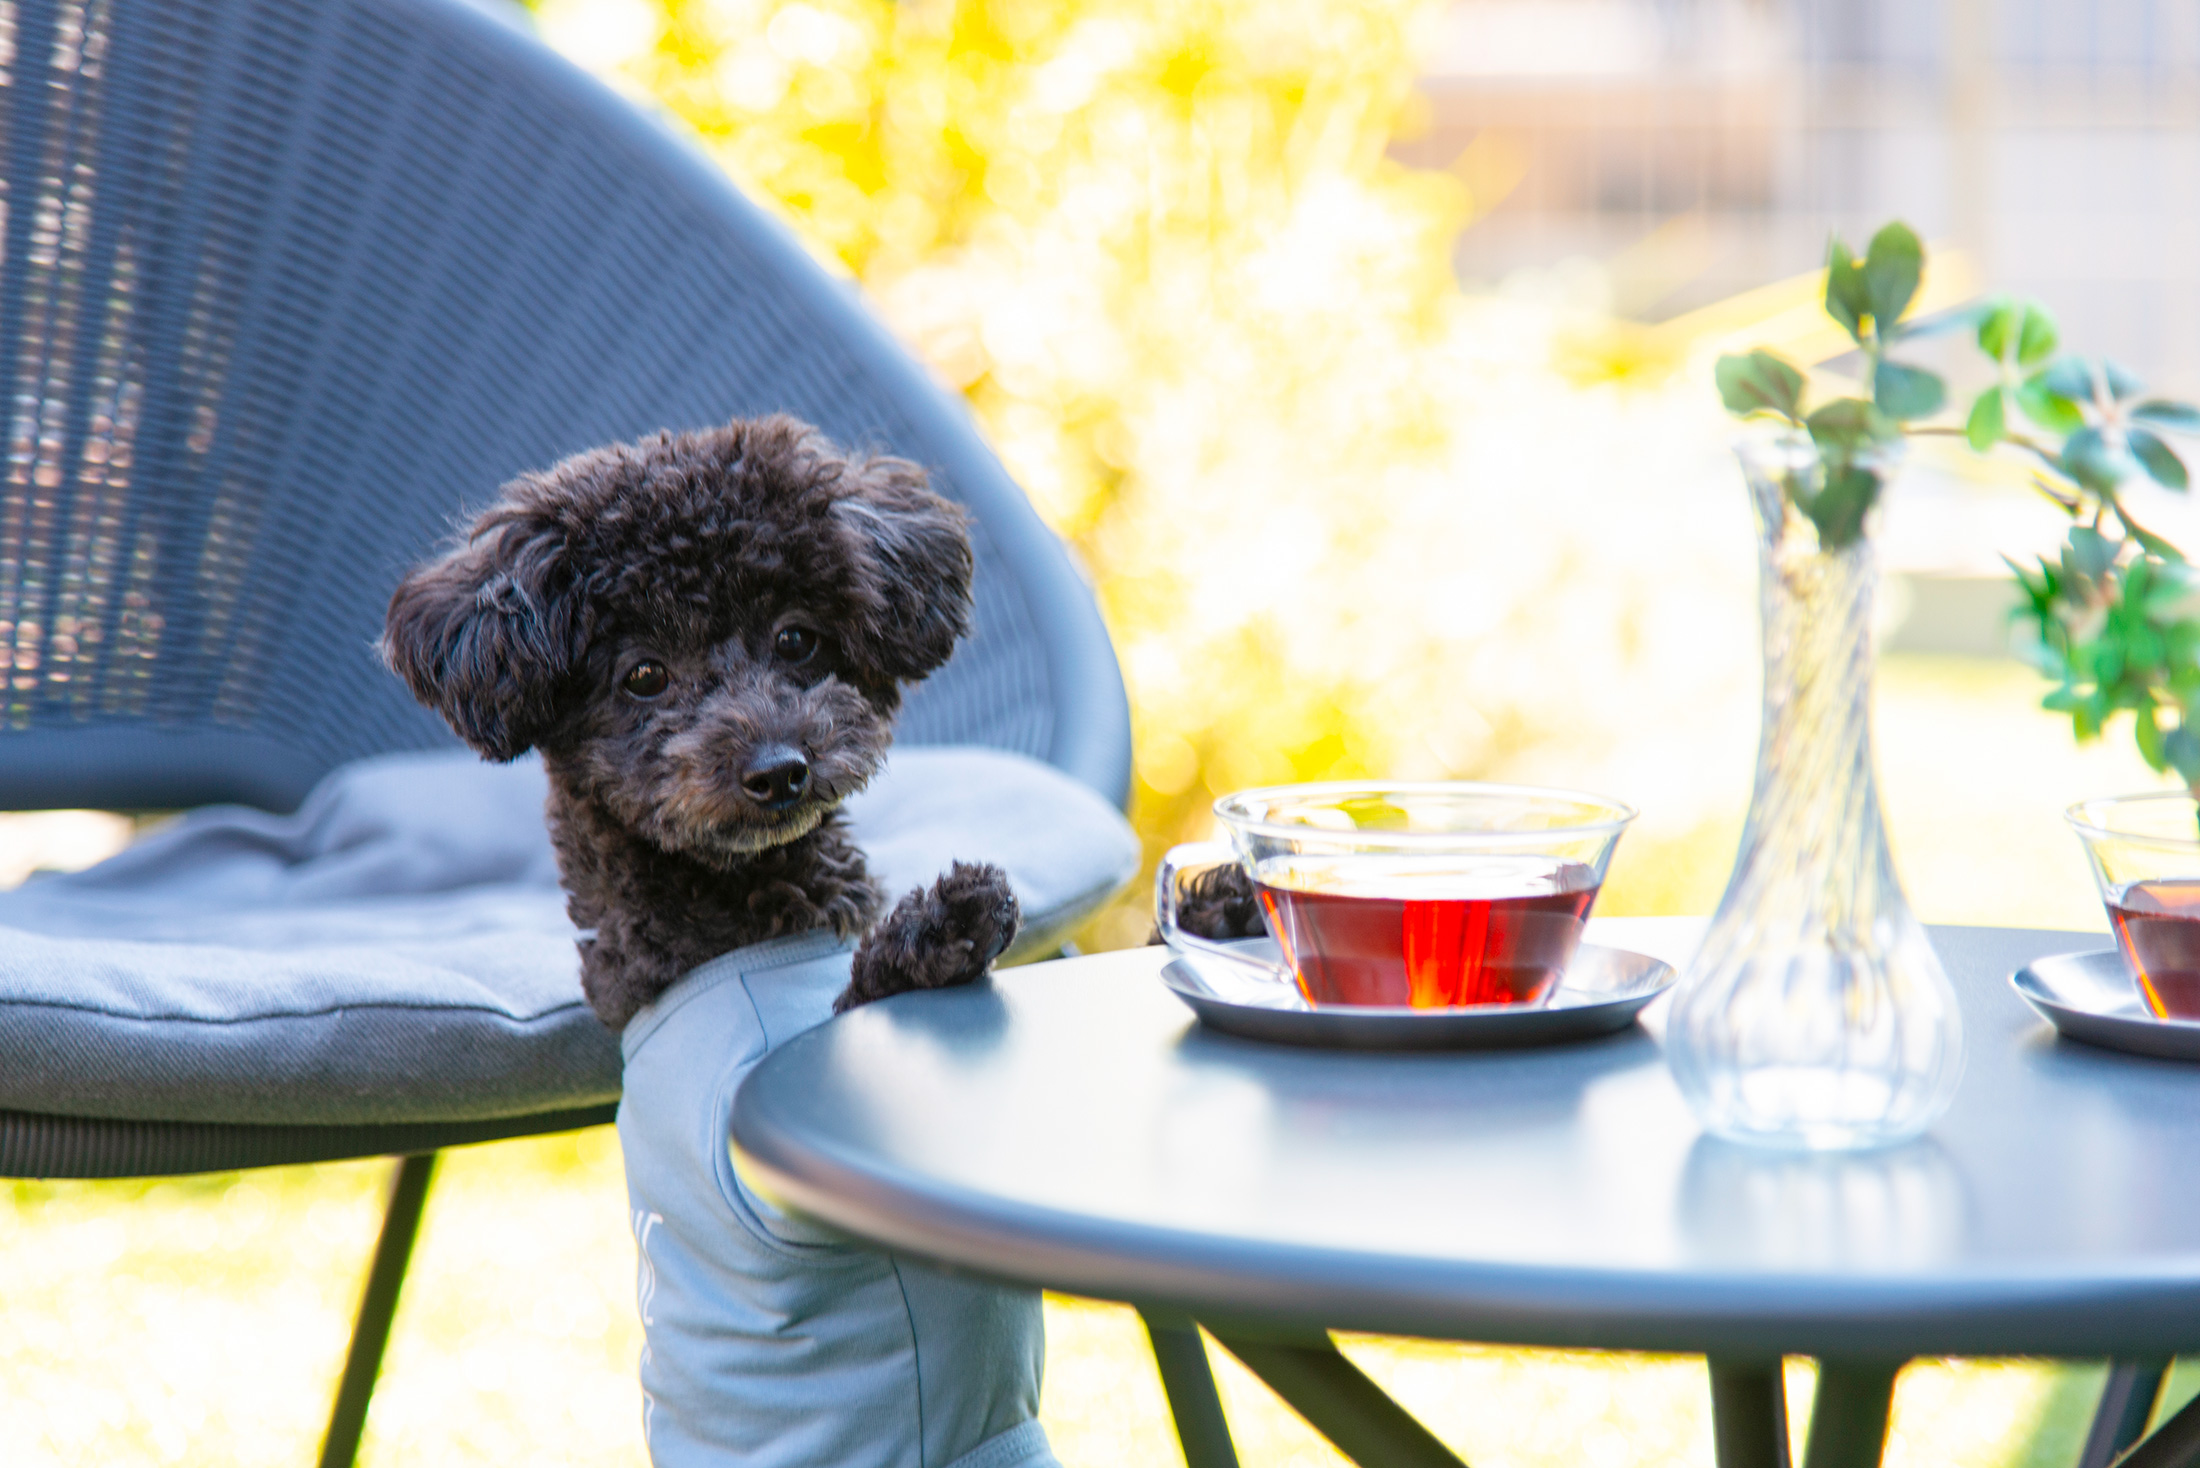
[(1426, 932), (2158, 927), (1409, 895)]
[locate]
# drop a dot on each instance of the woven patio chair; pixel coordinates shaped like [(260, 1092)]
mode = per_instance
[(288, 287)]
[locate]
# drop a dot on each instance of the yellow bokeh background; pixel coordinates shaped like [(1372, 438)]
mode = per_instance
[(1344, 516)]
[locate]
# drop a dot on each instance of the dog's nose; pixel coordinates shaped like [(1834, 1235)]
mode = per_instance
[(775, 776)]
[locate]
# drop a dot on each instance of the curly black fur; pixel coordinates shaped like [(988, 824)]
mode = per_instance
[(706, 634), (1218, 903), (910, 949)]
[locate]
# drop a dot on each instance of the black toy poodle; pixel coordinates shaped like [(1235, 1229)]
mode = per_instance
[(707, 635)]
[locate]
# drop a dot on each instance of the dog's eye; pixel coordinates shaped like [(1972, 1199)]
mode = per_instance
[(647, 680), (795, 645)]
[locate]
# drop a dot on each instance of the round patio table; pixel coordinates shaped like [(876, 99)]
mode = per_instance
[(1071, 1125)]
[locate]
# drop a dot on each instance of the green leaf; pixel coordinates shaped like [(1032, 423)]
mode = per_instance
[(2144, 650), (2132, 595), (1988, 421), (2154, 544), (2088, 458), (2121, 384), (2068, 377), (1759, 383), (1892, 267), (2037, 338), (2160, 459), (1849, 426), (2149, 732), (2173, 583), (1847, 300), (1838, 510), (2038, 592), (1907, 392), (2088, 552), (2176, 417), (2046, 407), (1997, 328), (2182, 750), (2108, 666), (2051, 576)]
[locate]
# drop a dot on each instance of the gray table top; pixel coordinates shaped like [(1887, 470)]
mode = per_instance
[(1071, 1125)]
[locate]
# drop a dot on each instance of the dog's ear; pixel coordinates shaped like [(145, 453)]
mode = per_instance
[(913, 566), (484, 634)]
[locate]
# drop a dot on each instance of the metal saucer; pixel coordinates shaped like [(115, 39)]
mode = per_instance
[(1601, 993), (2091, 997)]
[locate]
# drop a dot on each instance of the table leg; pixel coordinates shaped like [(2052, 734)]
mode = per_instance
[(1181, 1357), (1848, 1420), (1342, 1404), (2127, 1405), (1749, 1423), (2175, 1444)]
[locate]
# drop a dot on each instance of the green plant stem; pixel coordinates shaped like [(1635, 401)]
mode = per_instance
[(2131, 526), (2045, 454), (2068, 504)]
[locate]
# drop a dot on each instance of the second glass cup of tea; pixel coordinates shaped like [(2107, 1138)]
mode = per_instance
[(1424, 896), (2145, 851)]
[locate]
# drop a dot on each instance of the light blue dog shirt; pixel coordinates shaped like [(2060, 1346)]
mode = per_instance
[(770, 1343)]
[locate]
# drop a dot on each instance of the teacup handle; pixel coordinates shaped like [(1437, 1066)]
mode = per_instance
[(1198, 856)]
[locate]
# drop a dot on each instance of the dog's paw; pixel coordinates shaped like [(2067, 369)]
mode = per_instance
[(1218, 903), (936, 937)]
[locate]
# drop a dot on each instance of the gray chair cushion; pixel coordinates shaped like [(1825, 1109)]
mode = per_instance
[(1065, 849), (397, 950)]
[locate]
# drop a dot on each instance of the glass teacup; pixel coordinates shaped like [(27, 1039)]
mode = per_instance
[(2145, 852), (1424, 896)]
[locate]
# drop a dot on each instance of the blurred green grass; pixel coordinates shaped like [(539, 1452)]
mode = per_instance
[(201, 1320)]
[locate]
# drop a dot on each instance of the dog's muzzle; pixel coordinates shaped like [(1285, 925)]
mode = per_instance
[(775, 777)]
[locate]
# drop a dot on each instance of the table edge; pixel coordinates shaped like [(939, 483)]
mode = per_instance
[(1970, 1313)]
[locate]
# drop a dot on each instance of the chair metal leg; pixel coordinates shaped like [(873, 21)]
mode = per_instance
[(1848, 1420), (400, 1225), (1181, 1357), (1342, 1404), (2127, 1405), (2175, 1444), (1749, 1425)]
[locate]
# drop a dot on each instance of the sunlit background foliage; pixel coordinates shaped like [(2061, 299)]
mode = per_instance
[(1344, 517), (1345, 514)]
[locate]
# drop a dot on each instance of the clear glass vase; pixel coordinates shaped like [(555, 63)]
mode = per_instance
[(1815, 1016)]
